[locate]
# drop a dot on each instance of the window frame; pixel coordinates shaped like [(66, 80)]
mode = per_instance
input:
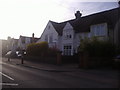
[(98, 30), (67, 49)]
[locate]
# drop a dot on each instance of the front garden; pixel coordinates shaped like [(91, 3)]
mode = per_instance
[(96, 54)]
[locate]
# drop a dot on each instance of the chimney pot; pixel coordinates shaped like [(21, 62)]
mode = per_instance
[(33, 37), (78, 15)]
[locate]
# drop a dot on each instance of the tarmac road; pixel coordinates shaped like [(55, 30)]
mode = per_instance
[(18, 76)]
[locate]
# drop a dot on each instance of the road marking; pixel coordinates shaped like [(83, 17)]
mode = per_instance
[(9, 84), (7, 76)]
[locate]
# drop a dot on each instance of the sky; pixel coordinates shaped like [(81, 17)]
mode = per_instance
[(24, 17)]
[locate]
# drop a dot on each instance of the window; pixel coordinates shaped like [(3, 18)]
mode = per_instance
[(98, 30), (46, 38), (48, 27), (68, 36), (67, 50), (51, 39)]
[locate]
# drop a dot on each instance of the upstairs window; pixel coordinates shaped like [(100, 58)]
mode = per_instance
[(51, 39), (48, 27), (46, 38), (98, 30), (68, 36)]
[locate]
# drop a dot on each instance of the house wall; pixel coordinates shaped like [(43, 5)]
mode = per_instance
[(50, 35), (23, 46), (76, 42), (68, 37), (9, 44), (20, 44), (60, 43), (14, 45)]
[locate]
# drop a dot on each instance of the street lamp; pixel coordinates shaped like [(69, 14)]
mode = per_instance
[(22, 56)]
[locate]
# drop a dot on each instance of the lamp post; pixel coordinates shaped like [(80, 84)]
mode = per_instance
[(22, 56)]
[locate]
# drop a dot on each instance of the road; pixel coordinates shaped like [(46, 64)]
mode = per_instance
[(18, 76)]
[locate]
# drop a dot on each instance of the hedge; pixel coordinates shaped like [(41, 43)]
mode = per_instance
[(97, 48), (41, 49)]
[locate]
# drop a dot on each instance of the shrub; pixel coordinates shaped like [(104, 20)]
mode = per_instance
[(41, 49), (37, 49), (52, 52), (118, 50), (97, 48)]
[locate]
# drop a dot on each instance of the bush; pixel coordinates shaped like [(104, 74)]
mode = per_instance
[(52, 52), (37, 49), (41, 49), (118, 50), (97, 48)]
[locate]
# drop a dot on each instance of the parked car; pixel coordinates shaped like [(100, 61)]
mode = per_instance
[(20, 53), (10, 54)]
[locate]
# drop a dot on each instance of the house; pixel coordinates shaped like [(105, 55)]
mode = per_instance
[(3, 47), (24, 41), (12, 44), (8, 45), (66, 35)]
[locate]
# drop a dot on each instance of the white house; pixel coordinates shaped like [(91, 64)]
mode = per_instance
[(11, 44), (24, 41), (66, 35)]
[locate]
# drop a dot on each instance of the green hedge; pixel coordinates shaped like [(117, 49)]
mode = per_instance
[(97, 48), (37, 49), (41, 49), (52, 52)]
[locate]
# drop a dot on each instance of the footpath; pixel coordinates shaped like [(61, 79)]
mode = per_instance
[(43, 66), (60, 68)]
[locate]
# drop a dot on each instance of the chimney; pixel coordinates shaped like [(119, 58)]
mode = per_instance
[(78, 15), (33, 38)]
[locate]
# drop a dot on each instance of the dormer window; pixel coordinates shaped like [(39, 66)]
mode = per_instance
[(68, 36)]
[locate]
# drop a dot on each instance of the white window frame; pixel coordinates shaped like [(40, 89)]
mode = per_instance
[(98, 30), (67, 50)]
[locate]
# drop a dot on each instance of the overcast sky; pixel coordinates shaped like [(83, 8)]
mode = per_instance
[(24, 17)]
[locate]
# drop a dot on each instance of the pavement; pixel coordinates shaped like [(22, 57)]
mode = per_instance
[(43, 66), (59, 68)]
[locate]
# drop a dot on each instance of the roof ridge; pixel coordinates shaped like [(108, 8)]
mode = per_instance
[(100, 12)]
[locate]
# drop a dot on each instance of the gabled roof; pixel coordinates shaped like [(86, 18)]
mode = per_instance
[(83, 24), (58, 26)]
